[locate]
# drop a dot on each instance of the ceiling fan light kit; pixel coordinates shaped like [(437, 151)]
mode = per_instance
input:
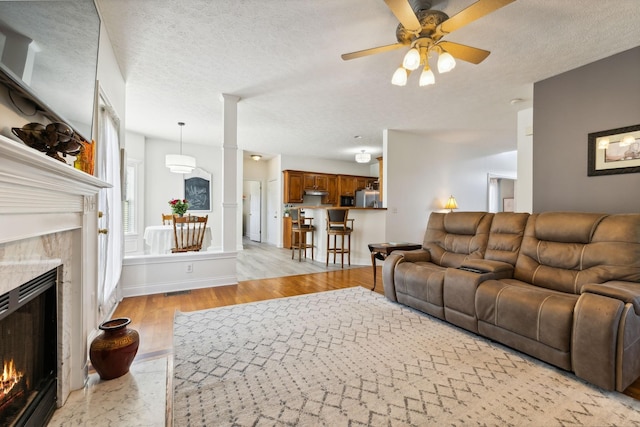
[(423, 29)]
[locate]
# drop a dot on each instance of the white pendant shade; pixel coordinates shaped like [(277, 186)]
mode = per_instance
[(179, 163)]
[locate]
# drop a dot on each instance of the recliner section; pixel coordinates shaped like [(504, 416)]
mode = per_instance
[(416, 278), (563, 287)]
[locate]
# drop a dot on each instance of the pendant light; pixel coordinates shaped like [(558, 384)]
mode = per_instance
[(179, 163)]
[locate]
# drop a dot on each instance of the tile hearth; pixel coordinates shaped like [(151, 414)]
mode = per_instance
[(135, 399)]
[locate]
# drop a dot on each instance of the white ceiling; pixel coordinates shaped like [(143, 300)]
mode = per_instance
[(299, 98)]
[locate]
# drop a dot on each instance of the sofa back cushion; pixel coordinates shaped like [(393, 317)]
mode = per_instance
[(505, 236), (453, 237), (565, 250)]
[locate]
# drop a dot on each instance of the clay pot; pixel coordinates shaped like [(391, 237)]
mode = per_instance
[(113, 351)]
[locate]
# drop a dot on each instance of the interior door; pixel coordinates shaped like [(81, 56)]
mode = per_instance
[(255, 207)]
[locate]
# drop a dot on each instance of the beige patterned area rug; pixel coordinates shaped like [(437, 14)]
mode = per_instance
[(350, 358)]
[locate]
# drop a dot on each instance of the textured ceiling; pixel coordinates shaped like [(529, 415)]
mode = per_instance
[(298, 97)]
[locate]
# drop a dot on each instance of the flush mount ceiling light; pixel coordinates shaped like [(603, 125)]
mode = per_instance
[(422, 30), (363, 157), (256, 157), (179, 163)]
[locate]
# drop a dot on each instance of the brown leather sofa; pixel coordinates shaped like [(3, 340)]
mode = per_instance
[(563, 287)]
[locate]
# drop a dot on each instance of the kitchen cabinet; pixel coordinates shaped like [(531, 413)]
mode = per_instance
[(314, 181), (332, 188), (293, 186), (350, 184), (296, 182)]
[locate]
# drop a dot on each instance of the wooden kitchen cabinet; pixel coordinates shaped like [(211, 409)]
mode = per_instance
[(293, 186), (332, 188), (315, 181)]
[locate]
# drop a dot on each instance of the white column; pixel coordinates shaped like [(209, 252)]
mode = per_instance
[(229, 171)]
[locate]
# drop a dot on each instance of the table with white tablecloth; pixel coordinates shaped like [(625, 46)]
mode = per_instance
[(160, 239)]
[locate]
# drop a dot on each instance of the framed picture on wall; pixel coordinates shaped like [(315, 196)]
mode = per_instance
[(197, 190), (614, 151), (508, 204)]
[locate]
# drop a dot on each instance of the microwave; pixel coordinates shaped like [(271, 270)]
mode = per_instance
[(347, 201)]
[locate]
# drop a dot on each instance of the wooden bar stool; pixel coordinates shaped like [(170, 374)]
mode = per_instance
[(300, 226), (337, 225)]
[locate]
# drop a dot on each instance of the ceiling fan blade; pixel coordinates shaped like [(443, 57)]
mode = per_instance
[(475, 11), (403, 11), (466, 53), (372, 51)]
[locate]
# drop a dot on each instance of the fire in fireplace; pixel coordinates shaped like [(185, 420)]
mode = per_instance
[(28, 352)]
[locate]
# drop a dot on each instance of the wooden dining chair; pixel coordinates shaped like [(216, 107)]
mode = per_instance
[(167, 219), (188, 232)]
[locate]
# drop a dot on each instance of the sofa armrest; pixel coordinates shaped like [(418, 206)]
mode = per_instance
[(488, 266), (416, 255), (390, 264), (627, 292)]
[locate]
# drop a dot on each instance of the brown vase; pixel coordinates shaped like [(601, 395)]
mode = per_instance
[(113, 351)]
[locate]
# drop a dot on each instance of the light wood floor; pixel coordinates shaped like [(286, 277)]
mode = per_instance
[(152, 315)]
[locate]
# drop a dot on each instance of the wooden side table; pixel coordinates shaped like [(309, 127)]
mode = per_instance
[(382, 250)]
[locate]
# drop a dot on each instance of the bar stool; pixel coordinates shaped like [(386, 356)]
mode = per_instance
[(300, 226), (337, 219)]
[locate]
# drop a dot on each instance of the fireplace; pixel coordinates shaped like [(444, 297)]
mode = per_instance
[(52, 223), (28, 352)]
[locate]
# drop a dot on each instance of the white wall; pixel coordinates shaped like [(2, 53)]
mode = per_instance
[(524, 184), (329, 166), (421, 174)]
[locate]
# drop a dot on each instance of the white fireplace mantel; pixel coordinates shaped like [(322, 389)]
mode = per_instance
[(48, 218), (34, 183)]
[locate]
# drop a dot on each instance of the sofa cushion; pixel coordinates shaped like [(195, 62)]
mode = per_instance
[(565, 250), (455, 236), (505, 236), (568, 227), (422, 280), (542, 315)]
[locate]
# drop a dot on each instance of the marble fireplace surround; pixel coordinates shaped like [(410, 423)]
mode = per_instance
[(48, 220)]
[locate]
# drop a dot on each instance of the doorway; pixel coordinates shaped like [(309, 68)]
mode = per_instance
[(252, 210), (501, 193)]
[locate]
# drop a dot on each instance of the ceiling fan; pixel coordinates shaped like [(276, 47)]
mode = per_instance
[(423, 30)]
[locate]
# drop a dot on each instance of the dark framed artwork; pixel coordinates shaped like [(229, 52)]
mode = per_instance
[(614, 151), (197, 190)]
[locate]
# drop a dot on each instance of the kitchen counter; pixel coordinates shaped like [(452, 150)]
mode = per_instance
[(369, 226)]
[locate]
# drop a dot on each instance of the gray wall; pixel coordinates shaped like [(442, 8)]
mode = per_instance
[(599, 96)]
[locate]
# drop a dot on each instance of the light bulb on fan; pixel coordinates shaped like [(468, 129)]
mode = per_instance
[(446, 62), (427, 78), (399, 77), (411, 60)]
